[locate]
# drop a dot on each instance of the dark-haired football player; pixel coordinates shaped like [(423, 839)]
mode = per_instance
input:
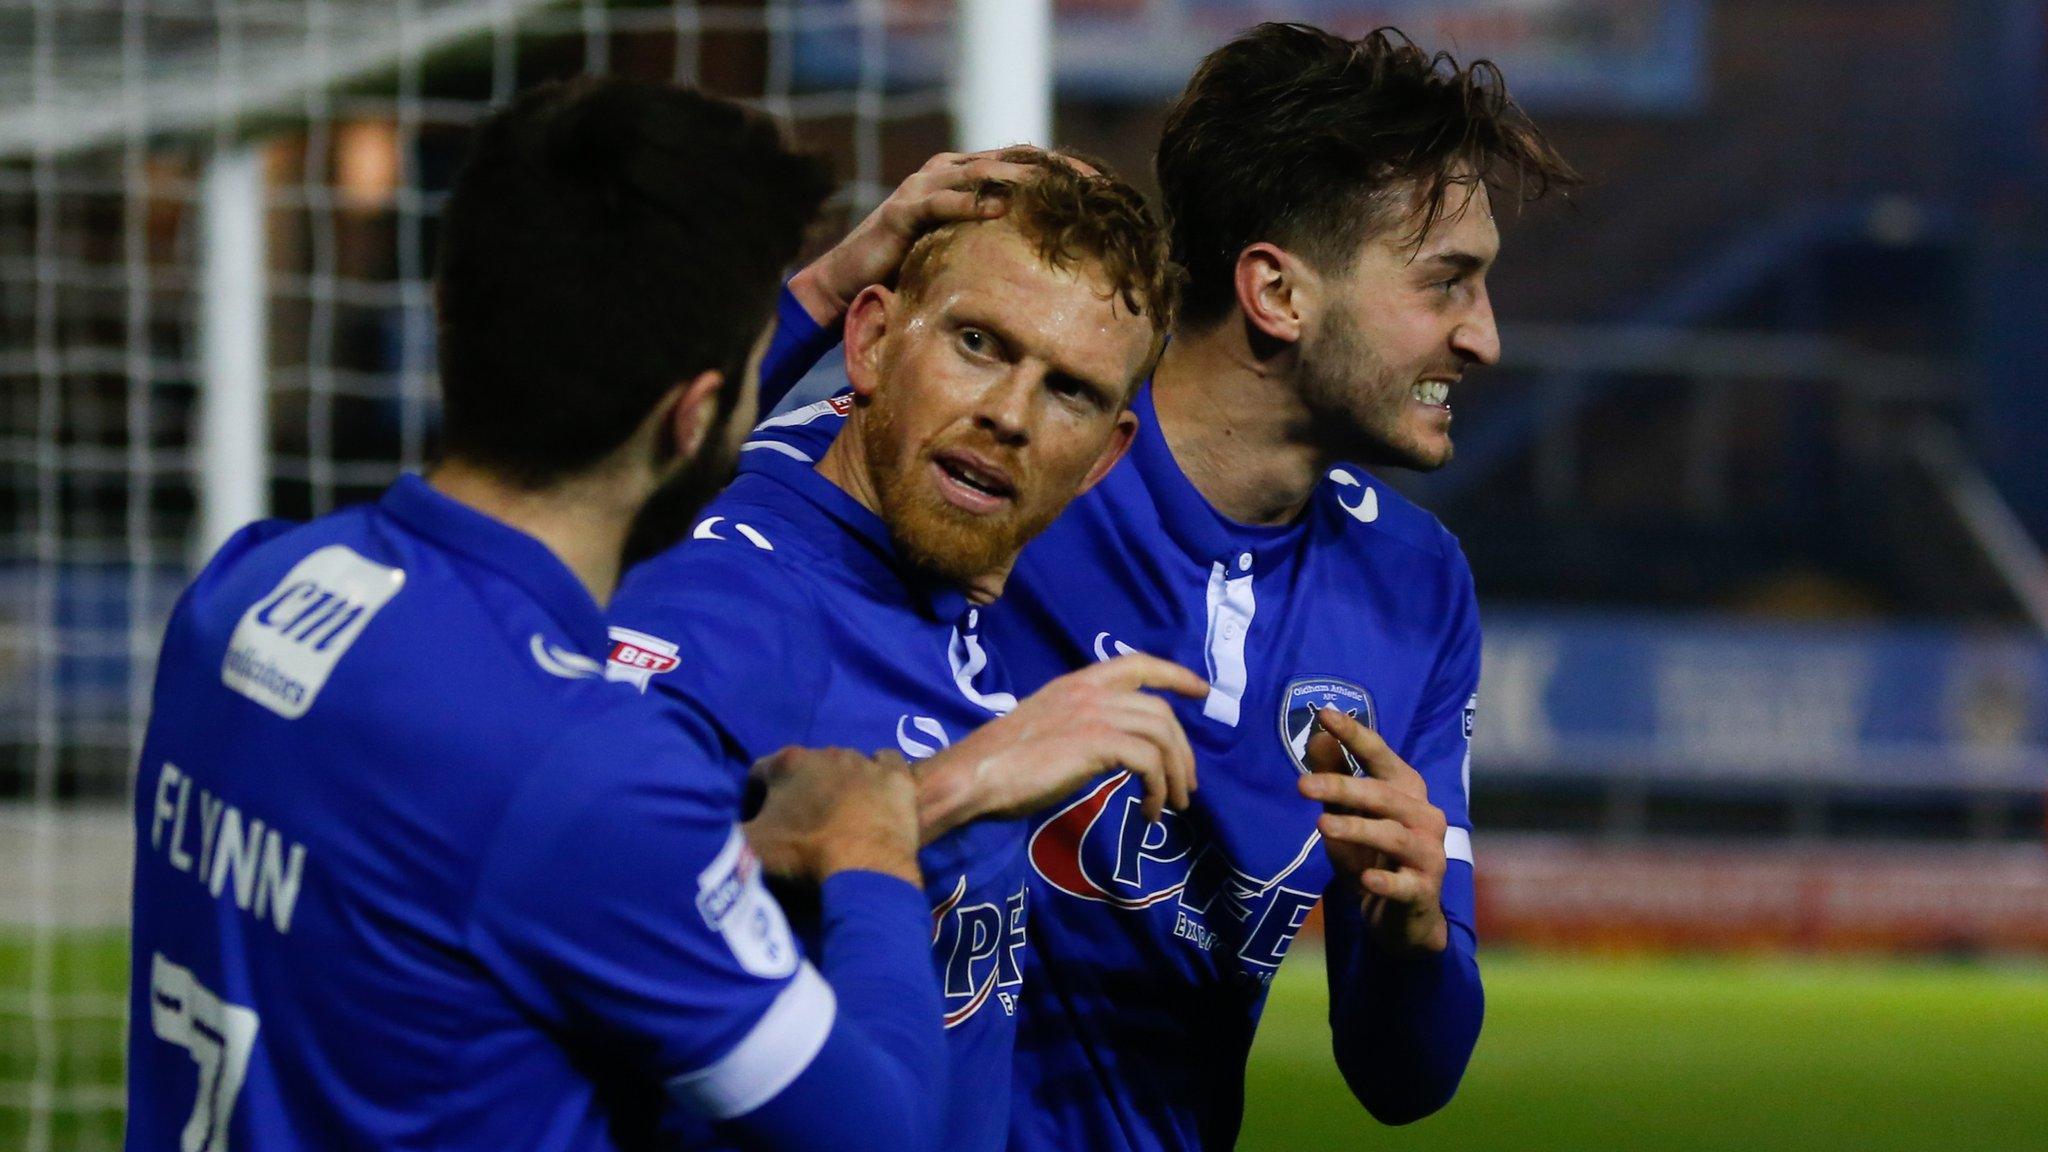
[(410, 873)]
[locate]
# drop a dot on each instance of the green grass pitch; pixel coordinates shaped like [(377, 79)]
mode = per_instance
[(1579, 1053), (1675, 1055)]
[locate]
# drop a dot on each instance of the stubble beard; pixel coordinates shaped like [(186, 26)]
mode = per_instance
[(1358, 406), (668, 514)]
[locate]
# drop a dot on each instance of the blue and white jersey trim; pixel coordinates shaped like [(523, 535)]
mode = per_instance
[(767, 1059), (1458, 844), (777, 446)]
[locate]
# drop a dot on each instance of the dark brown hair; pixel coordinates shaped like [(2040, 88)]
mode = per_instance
[(1291, 135), (1074, 218), (607, 240)]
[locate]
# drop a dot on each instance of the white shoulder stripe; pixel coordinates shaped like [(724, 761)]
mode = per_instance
[(1458, 844), (783, 1043), (777, 446)]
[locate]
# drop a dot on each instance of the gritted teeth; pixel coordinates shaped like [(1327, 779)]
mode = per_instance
[(1434, 392)]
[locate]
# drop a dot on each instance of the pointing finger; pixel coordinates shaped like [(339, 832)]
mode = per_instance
[(1326, 755), (1379, 761), (1139, 670)]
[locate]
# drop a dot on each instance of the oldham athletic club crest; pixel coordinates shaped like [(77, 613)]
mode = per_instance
[(1308, 695)]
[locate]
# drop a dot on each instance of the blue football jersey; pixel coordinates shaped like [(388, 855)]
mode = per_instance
[(788, 616), (1154, 944), (411, 874)]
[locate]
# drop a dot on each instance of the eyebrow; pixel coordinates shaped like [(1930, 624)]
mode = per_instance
[(1103, 395), (1460, 261), (1054, 373)]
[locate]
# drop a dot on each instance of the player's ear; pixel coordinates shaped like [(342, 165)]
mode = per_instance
[(1120, 438), (867, 322), (1270, 283), (692, 408)]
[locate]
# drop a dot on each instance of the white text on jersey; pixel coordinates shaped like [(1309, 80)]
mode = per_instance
[(266, 868)]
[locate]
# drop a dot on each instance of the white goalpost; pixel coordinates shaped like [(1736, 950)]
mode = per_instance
[(217, 221), (1002, 74)]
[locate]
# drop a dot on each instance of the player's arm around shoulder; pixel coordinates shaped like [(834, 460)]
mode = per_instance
[(949, 188), (728, 625)]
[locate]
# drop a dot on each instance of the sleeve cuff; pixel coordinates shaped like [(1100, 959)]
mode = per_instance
[(778, 1049), (872, 893), (1458, 844)]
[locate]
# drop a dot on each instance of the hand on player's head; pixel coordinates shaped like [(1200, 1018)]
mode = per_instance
[(951, 187), (992, 384), (831, 810)]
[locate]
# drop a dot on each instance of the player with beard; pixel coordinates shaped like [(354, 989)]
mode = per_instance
[(1331, 201), (409, 873), (840, 602)]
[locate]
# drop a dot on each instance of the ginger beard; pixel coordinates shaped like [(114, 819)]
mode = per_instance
[(952, 543), (988, 395)]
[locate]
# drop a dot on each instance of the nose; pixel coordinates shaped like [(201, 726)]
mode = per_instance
[(1475, 338), (1004, 409)]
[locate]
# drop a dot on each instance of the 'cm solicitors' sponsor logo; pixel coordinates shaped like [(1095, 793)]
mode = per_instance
[(1101, 848), (288, 643)]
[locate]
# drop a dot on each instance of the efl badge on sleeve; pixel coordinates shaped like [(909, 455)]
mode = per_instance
[(1310, 694)]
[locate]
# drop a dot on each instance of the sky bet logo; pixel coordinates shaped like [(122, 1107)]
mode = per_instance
[(1101, 848), (638, 658)]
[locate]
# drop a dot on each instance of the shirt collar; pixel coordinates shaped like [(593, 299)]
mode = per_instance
[(833, 521), (513, 554), (1187, 517)]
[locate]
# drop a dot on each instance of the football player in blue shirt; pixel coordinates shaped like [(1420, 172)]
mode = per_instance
[(410, 873), (1330, 200), (838, 600)]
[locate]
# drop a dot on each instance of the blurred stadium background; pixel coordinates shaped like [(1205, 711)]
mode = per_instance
[(1753, 502)]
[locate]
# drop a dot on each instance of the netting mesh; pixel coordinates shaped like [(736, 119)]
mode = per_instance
[(111, 112)]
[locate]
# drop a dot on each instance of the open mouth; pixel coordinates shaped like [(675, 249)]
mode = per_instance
[(973, 484), (1432, 393)]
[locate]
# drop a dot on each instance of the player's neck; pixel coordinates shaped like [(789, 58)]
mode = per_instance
[(845, 464), (1236, 425), (582, 521)]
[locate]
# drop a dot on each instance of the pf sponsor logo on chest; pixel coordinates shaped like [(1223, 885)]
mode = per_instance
[(287, 644), (1101, 849), (1307, 695), (637, 658), (978, 946)]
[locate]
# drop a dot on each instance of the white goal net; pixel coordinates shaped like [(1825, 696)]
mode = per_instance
[(196, 189)]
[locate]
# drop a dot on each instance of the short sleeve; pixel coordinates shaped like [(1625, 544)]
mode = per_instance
[(721, 625), (620, 905)]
